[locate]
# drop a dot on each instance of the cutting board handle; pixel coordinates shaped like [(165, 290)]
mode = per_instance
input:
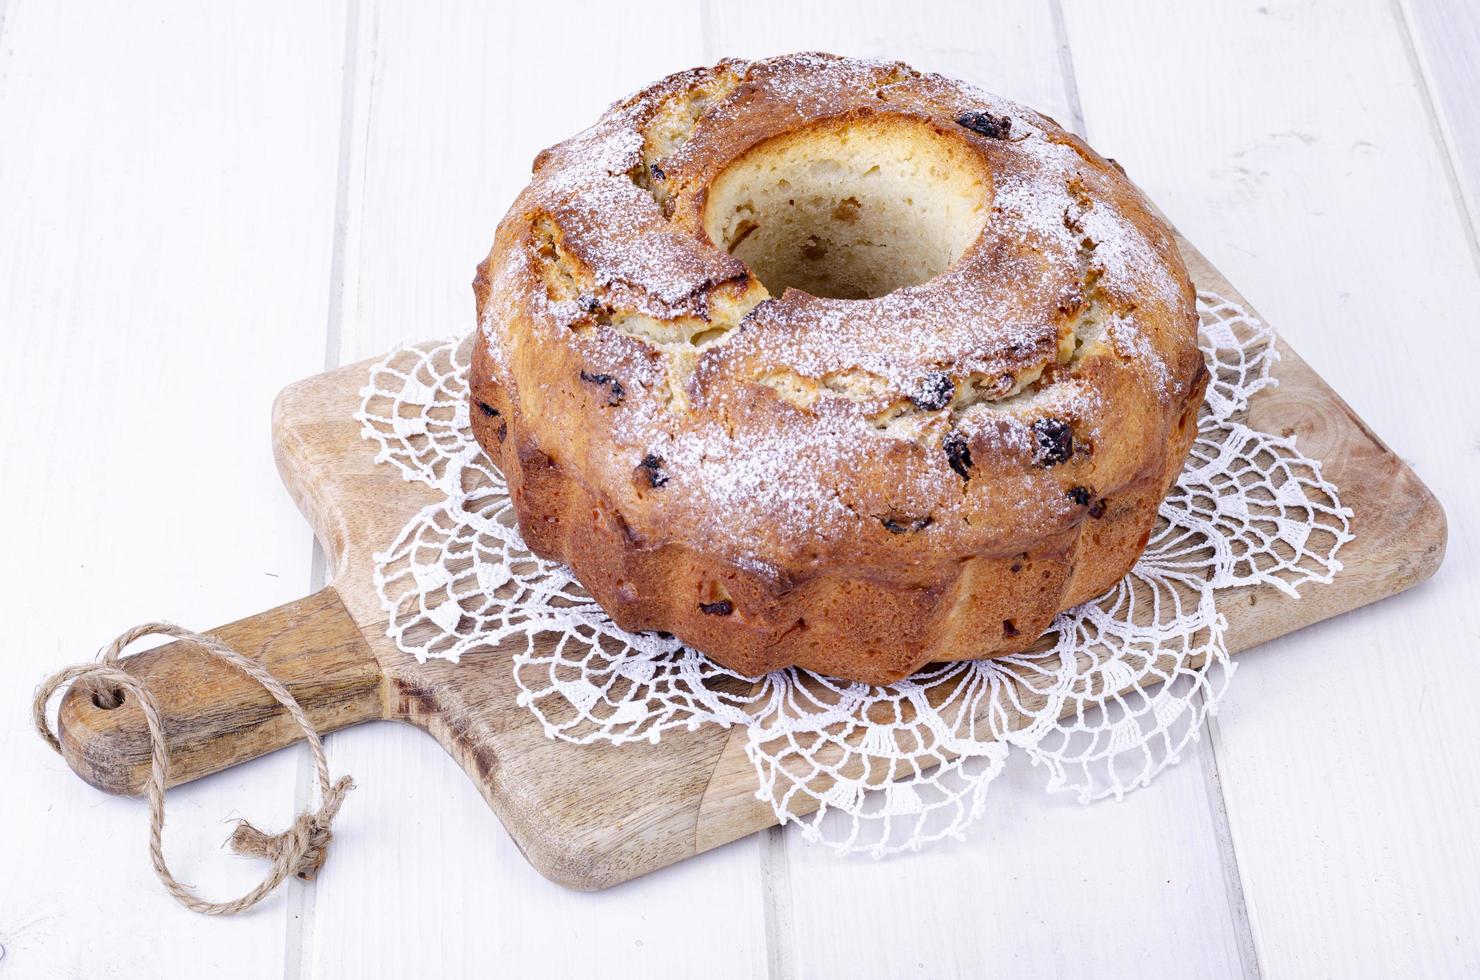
[(214, 715)]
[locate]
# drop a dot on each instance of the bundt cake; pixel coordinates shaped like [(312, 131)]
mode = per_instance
[(830, 362)]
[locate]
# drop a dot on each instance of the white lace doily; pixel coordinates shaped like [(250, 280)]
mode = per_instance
[(1108, 698)]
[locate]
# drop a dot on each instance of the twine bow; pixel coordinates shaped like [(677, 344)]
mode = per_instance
[(300, 850)]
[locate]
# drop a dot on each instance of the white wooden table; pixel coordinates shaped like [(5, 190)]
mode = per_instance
[(202, 203)]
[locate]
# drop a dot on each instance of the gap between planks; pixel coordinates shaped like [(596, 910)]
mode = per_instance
[(777, 895), (1413, 50), (1066, 68), (1248, 948), (1250, 962), (359, 51)]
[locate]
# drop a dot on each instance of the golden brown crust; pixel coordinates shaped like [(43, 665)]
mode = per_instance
[(625, 383)]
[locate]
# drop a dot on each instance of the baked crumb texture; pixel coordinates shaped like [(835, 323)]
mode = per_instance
[(829, 362)]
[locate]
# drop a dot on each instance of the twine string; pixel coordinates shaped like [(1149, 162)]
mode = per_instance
[(300, 850)]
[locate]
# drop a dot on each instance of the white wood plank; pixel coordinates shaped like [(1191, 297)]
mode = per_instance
[(1011, 49), (1445, 38), (1043, 887), (1291, 142), (166, 192), (454, 104), (436, 888), (1046, 887), (451, 106)]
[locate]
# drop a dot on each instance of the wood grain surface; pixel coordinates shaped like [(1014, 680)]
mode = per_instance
[(591, 816), (216, 716)]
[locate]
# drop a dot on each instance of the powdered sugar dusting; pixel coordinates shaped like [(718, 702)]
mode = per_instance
[(1134, 345), (743, 468), (616, 227)]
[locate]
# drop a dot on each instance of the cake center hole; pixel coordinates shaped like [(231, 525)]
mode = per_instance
[(850, 210)]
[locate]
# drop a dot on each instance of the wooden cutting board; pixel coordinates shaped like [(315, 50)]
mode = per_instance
[(593, 816)]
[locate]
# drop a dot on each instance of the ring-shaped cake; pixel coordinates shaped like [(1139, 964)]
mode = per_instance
[(827, 362)]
